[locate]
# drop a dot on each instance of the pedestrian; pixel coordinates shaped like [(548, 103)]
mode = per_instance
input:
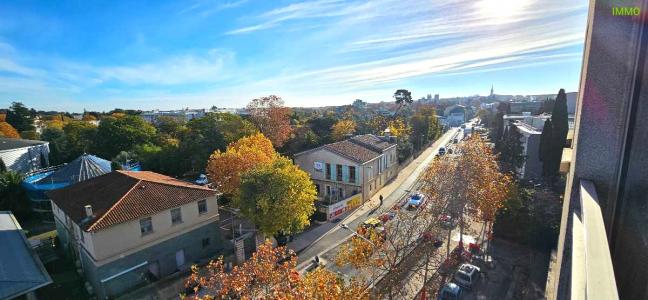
[(381, 200)]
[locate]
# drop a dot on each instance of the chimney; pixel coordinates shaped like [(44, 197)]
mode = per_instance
[(88, 210)]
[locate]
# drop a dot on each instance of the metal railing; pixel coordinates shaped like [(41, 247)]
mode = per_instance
[(592, 273)]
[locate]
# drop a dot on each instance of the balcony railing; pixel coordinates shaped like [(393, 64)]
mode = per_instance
[(592, 274)]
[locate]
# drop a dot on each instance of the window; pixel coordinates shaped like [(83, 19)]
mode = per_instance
[(205, 242), (146, 226), (202, 207), (338, 172), (328, 190), (176, 216), (317, 188), (328, 171), (352, 174), (341, 192)]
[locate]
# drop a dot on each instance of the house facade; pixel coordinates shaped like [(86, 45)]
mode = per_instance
[(349, 172), (130, 228), (24, 156), (455, 115)]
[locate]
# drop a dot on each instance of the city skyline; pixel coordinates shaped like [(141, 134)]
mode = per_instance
[(68, 56)]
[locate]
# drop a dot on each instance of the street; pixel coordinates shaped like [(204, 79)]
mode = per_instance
[(327, 244)]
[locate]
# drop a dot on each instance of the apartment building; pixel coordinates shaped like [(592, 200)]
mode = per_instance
[(130, 228), (603, 236), (24, 156), (184, 115), (360, 165)]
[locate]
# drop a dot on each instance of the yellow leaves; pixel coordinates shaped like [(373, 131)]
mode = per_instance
[(398, 128), (8, 131), (342, 129), (264, 276), (225, 168)]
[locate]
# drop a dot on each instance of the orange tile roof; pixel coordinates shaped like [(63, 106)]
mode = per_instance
[(122, 196)]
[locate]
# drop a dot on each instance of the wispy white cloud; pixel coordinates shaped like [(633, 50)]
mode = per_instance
[(294, 11), (208, 7), (330, 51)]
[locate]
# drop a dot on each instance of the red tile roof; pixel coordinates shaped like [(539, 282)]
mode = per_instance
[(122, 196), (352, 151)]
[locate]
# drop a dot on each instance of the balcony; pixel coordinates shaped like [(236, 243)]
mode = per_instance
[(586, 271)]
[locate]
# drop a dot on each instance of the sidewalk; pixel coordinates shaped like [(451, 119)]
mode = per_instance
[(406, 176)]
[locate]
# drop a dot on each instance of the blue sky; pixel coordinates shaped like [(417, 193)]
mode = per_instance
[(98, 55)]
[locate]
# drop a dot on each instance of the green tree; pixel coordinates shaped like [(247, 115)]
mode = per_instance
[(169, 126), (79, 137), (12, 196), (116, 134), (559, 119), (277, 197), (20, 117), (56, 139), (212, 132), (3, 166), (511, 150), (321, 126)]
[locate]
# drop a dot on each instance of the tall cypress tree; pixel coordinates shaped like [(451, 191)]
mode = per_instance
[(511, 156), (559, 133)]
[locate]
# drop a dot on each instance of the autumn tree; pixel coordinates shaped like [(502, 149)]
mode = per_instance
[(342, 129), (278, 197), (224, 169), (272, 118), (470, 179), (6, 130), (407, 246), (270, 274)]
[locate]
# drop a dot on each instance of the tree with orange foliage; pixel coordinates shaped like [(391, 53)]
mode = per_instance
[(272, 118), (224, 169), (471, 179), (342, 129), (269, 274), (6, 130)]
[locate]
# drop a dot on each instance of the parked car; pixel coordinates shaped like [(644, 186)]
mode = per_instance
[(202, 180), (431, 237), (454, 141), (415, 201), (467, 275), (442, 151), (450, 291), (388, 216), (447, 221)]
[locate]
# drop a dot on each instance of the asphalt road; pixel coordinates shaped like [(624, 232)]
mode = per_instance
[(327, 247)]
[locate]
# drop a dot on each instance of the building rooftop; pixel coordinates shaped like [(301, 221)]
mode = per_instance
[(21, 271), (122, 196), (352, 151), (9, 144), (527, 128), (372, 142), (83, 168)]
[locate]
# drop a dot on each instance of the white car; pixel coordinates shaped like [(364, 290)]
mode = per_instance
[(467, 275)]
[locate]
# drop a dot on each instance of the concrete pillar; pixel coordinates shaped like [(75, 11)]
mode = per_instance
[(239, 250), (259, 239)]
